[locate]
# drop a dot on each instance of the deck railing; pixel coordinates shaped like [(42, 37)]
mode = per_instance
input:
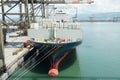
[(60, 25)]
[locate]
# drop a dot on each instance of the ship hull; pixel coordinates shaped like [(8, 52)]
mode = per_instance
[(55, 52)]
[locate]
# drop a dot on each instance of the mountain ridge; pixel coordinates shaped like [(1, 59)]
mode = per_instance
[(88, 16), (99, 16)]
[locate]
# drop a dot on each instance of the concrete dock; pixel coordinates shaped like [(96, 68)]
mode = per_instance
[(14, 52)]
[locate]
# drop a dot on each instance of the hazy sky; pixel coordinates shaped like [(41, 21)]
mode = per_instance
[(101, 6), (97, 6)]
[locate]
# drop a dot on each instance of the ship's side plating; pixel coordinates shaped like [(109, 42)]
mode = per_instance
[(65, 38), (60, 48)]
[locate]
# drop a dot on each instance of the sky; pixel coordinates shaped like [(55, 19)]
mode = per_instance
[(99, 6)]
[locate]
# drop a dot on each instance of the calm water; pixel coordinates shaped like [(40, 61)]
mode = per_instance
[(97, 58)]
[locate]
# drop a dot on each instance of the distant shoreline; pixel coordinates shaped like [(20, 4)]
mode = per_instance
[(98, 21)]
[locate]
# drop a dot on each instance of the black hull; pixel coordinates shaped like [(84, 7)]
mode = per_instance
[(55, 52)]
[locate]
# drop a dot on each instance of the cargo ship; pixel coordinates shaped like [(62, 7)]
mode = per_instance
[(56, 36)]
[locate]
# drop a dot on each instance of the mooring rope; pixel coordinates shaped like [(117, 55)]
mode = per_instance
[(37, 62), (32, 56)]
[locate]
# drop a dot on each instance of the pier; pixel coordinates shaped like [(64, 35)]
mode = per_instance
[(13, 55)]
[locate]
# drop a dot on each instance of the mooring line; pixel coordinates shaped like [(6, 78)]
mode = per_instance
[(28, 61), (38, 61)]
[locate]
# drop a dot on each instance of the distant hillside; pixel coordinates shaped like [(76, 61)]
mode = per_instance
[(99, 16)]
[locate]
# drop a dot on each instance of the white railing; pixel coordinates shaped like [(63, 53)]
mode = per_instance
[(68, 25)]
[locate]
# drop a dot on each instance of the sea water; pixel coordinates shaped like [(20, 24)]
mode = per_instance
[(97, 58)]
